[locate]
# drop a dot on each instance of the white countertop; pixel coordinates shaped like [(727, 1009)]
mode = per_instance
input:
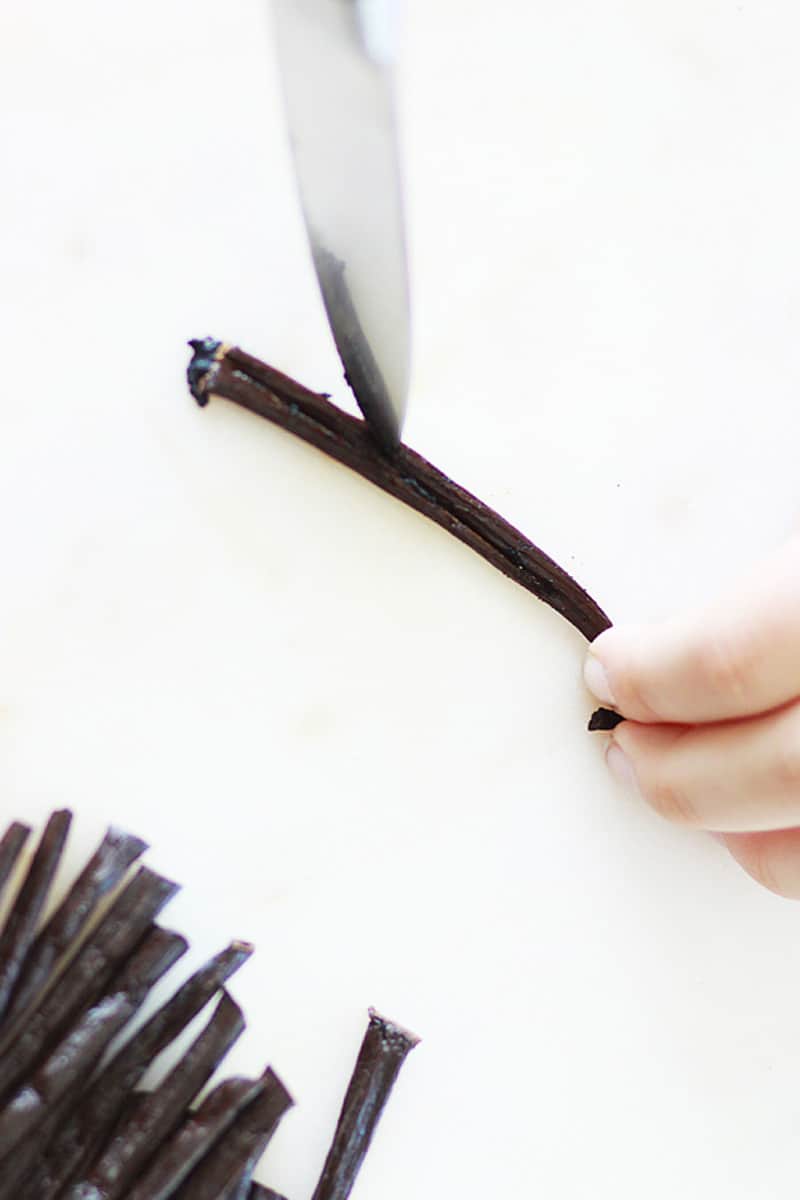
[(350, 739)]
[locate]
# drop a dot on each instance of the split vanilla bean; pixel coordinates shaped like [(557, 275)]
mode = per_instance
[(382, 1054), (217, 370)]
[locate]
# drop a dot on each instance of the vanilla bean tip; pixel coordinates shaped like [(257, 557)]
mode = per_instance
[(393, 1036), (604, 719), (204, 359), (239, 947)]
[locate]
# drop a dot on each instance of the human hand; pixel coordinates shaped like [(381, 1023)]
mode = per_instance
[(712, 701)]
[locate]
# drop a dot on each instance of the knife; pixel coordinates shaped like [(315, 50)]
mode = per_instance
[(336, 59)]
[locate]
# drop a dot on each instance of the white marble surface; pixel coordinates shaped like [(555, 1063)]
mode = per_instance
[(351, 740)]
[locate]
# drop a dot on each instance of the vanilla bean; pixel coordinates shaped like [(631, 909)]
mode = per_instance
[(72, 1060), (229, 372), (383, 1052), (85, 978), (11, 846), (20, 926), (200, 1131), (116, 853), (259, 1192), (135, 1142), (86, 1128), (218, 1175)]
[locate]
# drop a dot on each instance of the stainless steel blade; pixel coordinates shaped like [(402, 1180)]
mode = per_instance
[(336, 62)]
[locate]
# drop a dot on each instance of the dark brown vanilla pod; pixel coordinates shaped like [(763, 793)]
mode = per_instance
[(71, 1061), (86, 1127), (217, 370), (219, 1174), (12, 844), (383, 1052), (197, 1135), (137, 1139), (603, 720), (20, 926), (85, 978), (104, 871)]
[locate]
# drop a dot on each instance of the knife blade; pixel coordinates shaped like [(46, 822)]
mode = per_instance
[(336, 59)]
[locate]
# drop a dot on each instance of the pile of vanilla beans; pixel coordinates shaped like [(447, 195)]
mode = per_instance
[(74, 1122)]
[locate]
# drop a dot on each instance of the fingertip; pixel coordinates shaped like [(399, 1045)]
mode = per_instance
[(619, 666), (621, 767), (597, 673), (596, 679)]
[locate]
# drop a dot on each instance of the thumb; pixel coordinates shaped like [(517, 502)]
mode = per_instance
[(631, 669), (735, 659)]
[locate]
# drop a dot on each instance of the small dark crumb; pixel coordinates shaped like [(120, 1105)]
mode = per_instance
[(604, 719)]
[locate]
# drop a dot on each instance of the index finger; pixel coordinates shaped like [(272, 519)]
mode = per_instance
[(737, 658)]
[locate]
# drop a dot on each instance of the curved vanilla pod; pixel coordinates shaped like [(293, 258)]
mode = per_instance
[(227, 371)]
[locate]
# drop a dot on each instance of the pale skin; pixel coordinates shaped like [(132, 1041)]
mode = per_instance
[(712, 705)]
